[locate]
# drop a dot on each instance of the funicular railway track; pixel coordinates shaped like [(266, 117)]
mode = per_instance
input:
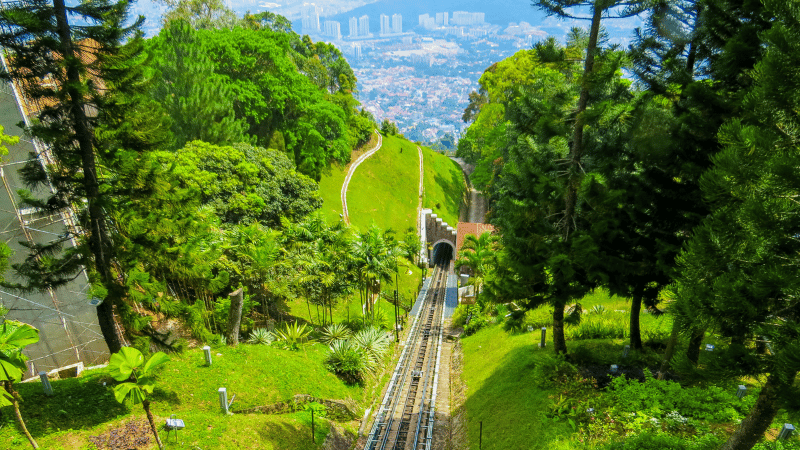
[(405, 417)]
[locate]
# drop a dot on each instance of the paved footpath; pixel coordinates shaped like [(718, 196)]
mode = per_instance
[(362, 158)]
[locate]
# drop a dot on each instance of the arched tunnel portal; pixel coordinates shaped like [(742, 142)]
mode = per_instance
[(442, 253)]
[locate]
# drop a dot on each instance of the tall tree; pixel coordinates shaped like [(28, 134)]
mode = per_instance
[(198, 100), (738, 272), (94, 121)]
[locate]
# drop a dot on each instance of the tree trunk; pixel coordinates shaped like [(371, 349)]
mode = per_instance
[(696, 339), (146, 406), (96, 231), (670, 352), (753, 427), (636, 308), (559, 342), (576, 149), (235, 317), (15, 402)]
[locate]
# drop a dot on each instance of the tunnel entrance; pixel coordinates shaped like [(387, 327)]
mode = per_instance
[(442, 253)]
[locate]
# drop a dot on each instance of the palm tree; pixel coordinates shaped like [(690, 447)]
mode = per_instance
[(374, 262), (478, 253)]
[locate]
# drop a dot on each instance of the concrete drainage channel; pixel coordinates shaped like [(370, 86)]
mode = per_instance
[(405, 418)]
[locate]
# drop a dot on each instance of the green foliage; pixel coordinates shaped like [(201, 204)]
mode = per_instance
[(243, 183), (335, 332), (348, 361), (14, 337), (657, 398), (551, 370), (129, 364), (657, 441), (389, 128), (293, 336), (360, 355), (261, 336)]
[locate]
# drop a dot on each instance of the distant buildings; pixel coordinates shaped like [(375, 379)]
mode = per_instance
[(310, 18), (443, 20), (467, 18), (353, 27), (333, 29), (363, 26), (397, 23), (391, 26)]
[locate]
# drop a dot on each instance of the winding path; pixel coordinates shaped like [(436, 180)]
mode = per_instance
[(421, 185), (350, 172)]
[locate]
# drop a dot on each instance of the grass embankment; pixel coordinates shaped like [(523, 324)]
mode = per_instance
[(510, 388), (257, 374), (445, 186), (384, 189)]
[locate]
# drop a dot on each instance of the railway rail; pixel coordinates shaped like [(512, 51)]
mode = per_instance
[(405, 417)]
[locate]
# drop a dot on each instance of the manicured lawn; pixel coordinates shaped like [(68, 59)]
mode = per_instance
[(258, 375), (444, 186)]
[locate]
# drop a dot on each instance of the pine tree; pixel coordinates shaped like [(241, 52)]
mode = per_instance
[(738, 272), (95, 121)]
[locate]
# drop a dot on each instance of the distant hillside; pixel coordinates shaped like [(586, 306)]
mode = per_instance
[(384, 188)]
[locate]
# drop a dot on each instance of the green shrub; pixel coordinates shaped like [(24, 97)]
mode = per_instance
[(657, 398), (663, 441), (261, 336), (335, 332), (551, 369), (292, 336), (347, 361), (354, 358)]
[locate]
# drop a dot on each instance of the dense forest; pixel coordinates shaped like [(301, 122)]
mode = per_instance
[(188, 163), (665, 173)]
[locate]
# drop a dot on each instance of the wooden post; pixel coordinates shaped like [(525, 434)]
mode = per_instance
[(312, 426), (235, 317)]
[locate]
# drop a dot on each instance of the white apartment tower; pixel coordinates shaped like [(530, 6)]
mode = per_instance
[(333, 29), (397, 23), (353, 27), (386, 26), (310, 18), (442, 19), (363, 26)]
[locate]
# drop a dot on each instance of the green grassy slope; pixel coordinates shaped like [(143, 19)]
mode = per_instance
[(384, 188), (258, 375), (444, 186)]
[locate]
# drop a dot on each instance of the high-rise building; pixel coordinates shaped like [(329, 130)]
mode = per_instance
[(468, 18), (427, 21), (363, 26), (442, 19), (386, 26), (333, 29), (423, 18), (310, 18), (397, 23), (353, 27), (357, 50)]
